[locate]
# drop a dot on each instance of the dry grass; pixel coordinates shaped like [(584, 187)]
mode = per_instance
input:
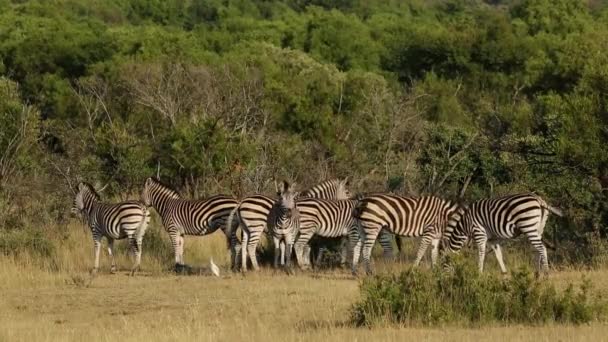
[(50, 300)]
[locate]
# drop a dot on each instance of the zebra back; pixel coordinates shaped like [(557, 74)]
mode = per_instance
[(404, 216), (330, 218), (114, 220), (330, 189), (190, 217), (501, 217)]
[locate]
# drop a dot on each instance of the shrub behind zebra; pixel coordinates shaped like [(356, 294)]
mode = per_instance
[(182, 217), (507, 217), (116, 221)]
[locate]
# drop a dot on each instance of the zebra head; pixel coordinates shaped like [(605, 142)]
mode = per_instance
[(85, 196), (155, 191), (286, 210), (456, 235), (342, 193)]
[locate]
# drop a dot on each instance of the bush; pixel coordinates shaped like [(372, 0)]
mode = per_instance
[(464, 296), (13, 242)]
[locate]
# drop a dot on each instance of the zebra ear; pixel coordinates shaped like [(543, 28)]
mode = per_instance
[(346, 181), (292, 187), (286, 187)]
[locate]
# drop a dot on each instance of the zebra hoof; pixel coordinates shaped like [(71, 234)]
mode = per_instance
[(94, 272), (180, 268), (289, 270), (113, 270)]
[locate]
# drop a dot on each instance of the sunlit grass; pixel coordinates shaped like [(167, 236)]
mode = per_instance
[(51, 300)]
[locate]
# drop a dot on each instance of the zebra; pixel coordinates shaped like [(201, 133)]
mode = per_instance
[(251, 214), (282, 223), (332, 219), (492, 220), (113, 221), (425, 216), (189, 217)]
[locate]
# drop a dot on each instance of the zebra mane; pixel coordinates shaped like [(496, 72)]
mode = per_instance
[(91, 190), (165, 188)]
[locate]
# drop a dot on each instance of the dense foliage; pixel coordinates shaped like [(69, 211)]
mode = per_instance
[(225, 95), (418, 297)]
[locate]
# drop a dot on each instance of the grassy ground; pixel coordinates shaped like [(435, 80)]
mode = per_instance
[(50, 300)]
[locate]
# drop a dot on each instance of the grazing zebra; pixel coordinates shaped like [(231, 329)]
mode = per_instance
[(332, 219), (189, 217), (252, 212), (113, 221), (403, 216), (282, 222), (492, 220)]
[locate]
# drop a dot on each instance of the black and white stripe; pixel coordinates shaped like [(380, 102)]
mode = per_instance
[(404, 216), (252, 212), (182, 217), (492, 220), (113, 221), (330, 219), (283, 223)]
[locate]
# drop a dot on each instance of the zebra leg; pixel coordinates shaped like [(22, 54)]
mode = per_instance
[(233, 245), (97, 248), (252, 246), (306, 256), (542, 264), (139, 236), (111, 254), (344, 251), (244, 242), (434, 252), (370, 235), (386, 241), (182, 242), (175, 241), (498, 253), (288, 249), (282, 246), (424, 244), (277, 250), (136, 241), (302, 247), (481, 241), (355, 238)]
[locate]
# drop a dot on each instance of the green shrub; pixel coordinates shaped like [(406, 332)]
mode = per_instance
[(464, 296), (13, 242)]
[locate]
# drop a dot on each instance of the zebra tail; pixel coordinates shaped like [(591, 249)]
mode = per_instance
[(229, 227), (544, 205), (548, 244), (555, 211)]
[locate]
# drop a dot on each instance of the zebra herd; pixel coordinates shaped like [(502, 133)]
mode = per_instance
[(329, 210)]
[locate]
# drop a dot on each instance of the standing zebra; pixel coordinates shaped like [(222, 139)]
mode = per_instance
[(189, 217), (282, 221), (332, 219), (252, 212), (114, 221), (492, 220), (404, 216)]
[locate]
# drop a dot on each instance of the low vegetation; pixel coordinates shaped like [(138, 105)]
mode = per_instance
[(464, 296)]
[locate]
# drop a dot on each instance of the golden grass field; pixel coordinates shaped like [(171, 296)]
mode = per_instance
[(50, 301)]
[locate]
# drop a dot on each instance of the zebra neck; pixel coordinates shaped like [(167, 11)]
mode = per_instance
[(162, 204)]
